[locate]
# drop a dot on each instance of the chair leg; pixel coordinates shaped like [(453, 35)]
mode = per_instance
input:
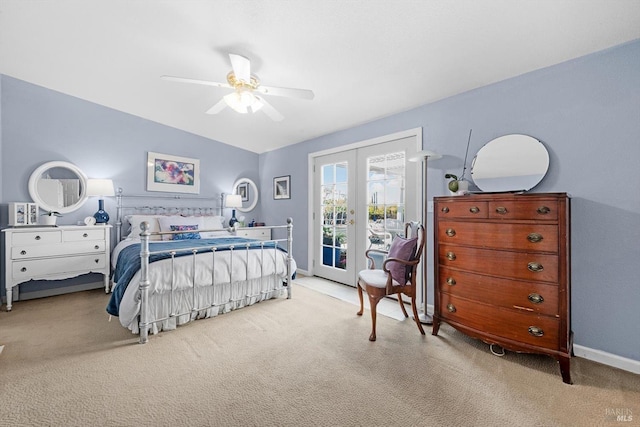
[(404, 311), (373, 301), (359, 313), (415, 314)]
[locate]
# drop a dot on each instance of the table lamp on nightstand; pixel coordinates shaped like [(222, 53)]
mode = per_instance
[(233, 201), (101, 188)]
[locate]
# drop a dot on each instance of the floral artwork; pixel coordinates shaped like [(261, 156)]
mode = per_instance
[(174, 174)]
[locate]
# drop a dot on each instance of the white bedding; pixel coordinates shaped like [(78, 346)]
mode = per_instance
[(253, 276)]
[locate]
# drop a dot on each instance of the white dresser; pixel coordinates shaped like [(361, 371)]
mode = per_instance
[(261, 233), (53, 253)]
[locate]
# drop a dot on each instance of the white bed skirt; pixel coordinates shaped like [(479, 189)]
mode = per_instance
[(210, 301)]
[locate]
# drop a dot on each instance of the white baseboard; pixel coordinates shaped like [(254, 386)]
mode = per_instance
[(609, 359), (303, 272)]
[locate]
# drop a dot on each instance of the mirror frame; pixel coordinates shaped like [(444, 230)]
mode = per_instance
[(37, 174), (254, 188), (497, 167)]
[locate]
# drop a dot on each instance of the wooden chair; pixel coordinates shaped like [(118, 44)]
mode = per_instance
[(397, 276)]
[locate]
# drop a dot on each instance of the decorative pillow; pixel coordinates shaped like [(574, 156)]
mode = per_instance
[(135, 221), (185, 236), (405, 249), (167, 221)]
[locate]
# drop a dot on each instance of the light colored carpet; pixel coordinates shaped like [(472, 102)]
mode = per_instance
[(299, 362)]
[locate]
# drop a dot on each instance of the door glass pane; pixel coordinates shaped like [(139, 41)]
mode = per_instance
[(385, 198), (334, 191)]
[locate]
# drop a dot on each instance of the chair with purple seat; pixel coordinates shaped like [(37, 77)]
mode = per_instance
[(397, 275)]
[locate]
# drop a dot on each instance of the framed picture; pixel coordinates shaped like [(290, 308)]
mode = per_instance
[(243, 190), (282, 187), (173, 174)]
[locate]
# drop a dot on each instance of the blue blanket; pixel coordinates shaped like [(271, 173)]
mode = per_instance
[(129, 261)]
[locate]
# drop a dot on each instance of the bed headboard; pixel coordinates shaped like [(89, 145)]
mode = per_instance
[(164, 204)]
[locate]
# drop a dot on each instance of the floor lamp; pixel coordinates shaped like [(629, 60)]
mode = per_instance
[(424, 156)]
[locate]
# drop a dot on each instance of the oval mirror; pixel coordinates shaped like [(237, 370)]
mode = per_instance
[(58, 186), (510, 163), (249, 192)]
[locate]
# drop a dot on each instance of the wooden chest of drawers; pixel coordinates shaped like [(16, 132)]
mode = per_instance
[(53, 253), (503, 271)]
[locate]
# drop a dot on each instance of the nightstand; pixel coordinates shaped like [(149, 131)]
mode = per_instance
[(260, 233), (54, 253)]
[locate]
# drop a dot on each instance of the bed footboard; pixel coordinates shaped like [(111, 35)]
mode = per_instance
[(147, 318)]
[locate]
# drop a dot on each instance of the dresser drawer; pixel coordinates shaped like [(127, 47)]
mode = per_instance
[(529, 328), (26, 252), (461, 209), (79, 235), (524, 296), (53, 266), (254, 233), (539, 209), (36, 237), (528, 237), (515, 265)]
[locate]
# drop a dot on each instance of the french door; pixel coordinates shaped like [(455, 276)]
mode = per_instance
[(362, 197)]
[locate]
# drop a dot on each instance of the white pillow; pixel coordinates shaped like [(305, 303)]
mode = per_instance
[(211, 223), (135, 221), (167, 221)]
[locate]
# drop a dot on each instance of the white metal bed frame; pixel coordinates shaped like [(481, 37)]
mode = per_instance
[(144, 322)]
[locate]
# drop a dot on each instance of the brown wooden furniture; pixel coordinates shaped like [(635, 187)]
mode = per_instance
[(378, 283), (503, 271)]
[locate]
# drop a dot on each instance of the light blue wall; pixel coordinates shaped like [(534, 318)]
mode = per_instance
[(39, 125), (587, 113)]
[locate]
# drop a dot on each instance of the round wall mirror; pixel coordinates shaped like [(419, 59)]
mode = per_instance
[(249, 192), (510, 163), (58, 186)]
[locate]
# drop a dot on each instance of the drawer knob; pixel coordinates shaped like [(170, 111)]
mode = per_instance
[(451, 256), (535, 331), (85, 235), (450, 232), (97, 260), (38, 237), (445, 209), (96, 247), (23, 252), (535, 298), (451, 281), (451, 308), (501, 210), (535, 237), (543, 210), (474, 209), (23, 269), (535, 267)]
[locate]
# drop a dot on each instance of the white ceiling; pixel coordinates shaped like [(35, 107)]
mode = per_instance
[(364, 59)]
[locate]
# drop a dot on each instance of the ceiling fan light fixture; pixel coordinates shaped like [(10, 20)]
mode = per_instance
[(242, 99)]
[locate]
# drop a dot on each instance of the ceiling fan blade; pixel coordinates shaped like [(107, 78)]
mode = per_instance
[(270, 111), (199, 82), (286, 92), (241, 67), (219, 106)]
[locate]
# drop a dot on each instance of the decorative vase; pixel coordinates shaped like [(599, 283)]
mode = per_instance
[(463, 187)]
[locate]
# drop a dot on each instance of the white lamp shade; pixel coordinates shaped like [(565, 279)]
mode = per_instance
[(233, 201), (100, 187)]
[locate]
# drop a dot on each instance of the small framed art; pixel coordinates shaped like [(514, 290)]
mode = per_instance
[(243, 190), (173, 174), (282, 187)]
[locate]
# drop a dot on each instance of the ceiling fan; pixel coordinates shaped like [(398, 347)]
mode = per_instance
[(247, 92)]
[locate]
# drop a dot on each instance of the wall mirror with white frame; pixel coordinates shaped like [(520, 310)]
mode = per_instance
[(58, 186), (248, 189)]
